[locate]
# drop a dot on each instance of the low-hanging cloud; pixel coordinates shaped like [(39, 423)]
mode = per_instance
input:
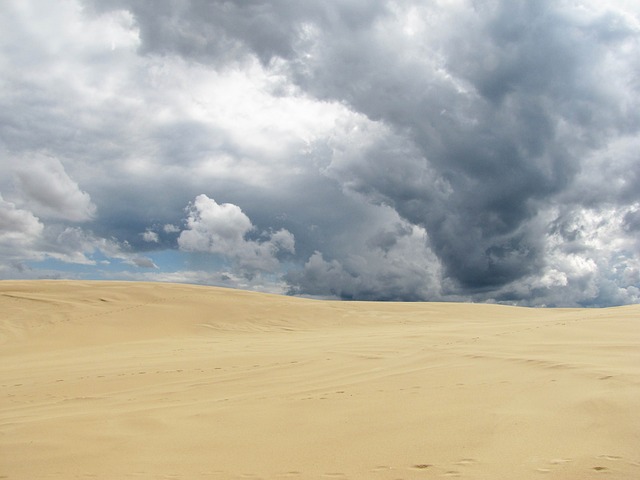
[(223, 229), (393, 264), (48, 190), (19, 229)]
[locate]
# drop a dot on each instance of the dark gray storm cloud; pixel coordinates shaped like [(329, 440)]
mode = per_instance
[(223, 32), (482, 150), (526, 94)]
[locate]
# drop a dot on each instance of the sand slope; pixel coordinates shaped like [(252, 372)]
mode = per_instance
[(111, 380)]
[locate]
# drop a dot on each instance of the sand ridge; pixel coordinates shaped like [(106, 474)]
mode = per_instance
[(147, 380)]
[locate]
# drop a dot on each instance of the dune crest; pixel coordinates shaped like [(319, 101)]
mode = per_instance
[(146, 380)]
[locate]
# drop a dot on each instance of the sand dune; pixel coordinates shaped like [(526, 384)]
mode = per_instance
[(113, 380)]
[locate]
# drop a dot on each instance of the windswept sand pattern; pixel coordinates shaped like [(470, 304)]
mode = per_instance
[(157, 381)]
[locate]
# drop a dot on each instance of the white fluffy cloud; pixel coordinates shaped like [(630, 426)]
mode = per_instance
[(150, 236), (23, 237), (49, 192), (19, 230), (223, 229)]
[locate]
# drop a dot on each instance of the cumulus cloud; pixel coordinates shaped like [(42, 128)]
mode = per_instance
[(219, 278), (19, 230), (169, 228), (23, 237), (142, 262), (49, 192), (150, 236), (393, 264), (589, 260), (224, 229), (71, 244), (489, 132)]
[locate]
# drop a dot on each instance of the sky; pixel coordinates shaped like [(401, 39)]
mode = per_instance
[(408, 150)]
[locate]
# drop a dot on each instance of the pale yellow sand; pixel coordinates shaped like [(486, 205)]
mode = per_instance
[(157, 381)]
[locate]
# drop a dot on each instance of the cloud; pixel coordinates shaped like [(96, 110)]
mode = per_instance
[(461, 150), (220, 278), (48, 191), (150, 236), (393, 264), (19, 230), (169, 228), (222, 33), (223, 229), (491, 129), (78, 246), (590, 260), (483, 124), (24, 237), (142, 262)]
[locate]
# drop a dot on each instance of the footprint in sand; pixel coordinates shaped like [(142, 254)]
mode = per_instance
[(554, 463), (467, 461), (610, 457), (381, 468)]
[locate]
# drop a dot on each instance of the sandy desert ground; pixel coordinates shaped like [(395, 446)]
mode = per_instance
[(115, 380)]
